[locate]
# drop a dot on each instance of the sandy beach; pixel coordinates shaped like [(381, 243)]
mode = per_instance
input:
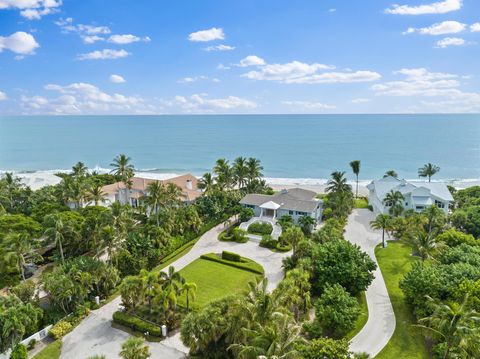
[(38, 179)]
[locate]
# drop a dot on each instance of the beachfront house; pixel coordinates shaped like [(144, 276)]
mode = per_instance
[(117, 192), (295, 202), (417, 195)]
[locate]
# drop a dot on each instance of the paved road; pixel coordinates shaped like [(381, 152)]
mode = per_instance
[(95, 335), (381, 319)]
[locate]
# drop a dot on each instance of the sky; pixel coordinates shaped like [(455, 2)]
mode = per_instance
[(250, 56)]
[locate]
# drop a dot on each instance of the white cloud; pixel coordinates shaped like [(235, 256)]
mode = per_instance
[(201, 103), (103, 54), (220, 47), (91, 39), (223, 67), (84, 98), (32, 9), (450, 41), (475, 27), (332, 10), (117, 79), (191, 79), (207, 35), (299, 72), (442, 28), (3, 96), (440, 7), (19, 43), (420, 82), (308, 105), (251, 60), (126, 39), (361, 100)]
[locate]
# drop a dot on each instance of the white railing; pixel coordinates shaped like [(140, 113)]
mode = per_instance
[(40, 335)]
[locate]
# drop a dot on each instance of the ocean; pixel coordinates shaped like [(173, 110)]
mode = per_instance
[(297, 147)]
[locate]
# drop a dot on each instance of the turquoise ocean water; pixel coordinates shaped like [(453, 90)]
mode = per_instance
[(290, 146)]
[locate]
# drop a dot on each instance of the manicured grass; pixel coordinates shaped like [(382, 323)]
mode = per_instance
[(406, 342), (360, 203), (362, 318), (51, 351), (214, 280)]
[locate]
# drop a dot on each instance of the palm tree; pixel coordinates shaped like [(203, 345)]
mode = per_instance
[(56, 231), (241, 171), (132, 291), (135, 348), (393, 199), (306, 222), (356, 170), (293, 236), (190, 290), (382, 222), (423, 244), (206, 183), (338, 183), (435, 217), (155, 197), (254, 169), (151, 285), (171, 279), (95, 193), (224, 173), (390, 173), (123, 168), (79, 170), (428, 170), (18, 247), (455, 324)]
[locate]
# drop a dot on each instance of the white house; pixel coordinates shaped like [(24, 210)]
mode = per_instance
[(417, 194), (117, 192), (295, 202)]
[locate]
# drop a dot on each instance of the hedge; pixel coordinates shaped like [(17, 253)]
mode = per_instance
[(229, 256), (233, 235), (137, 324), (260, 228), (245, 263), (60, 329)]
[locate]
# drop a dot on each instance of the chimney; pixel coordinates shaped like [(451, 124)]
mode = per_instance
[(189, 184)]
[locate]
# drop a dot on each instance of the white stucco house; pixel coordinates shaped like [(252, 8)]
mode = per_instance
[(295, 202), (417, 194)]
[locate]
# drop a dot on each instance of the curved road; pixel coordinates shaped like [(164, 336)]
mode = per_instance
[(381, 319), (95, 335)]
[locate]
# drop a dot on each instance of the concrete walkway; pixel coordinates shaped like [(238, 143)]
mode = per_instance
[(95, 335), (381, 319)]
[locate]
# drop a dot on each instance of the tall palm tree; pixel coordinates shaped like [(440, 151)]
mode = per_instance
[(423, 244), (151, 285), (95, 193), (79, 170), (293, 236), (206, 183), (338, 183), (123, 168), (307, 223), (254, 169), (435, 217), (19, 247), (428, 170), (455, 324), (155, 197), (172, 279), (355, 165), (241, 171), (224, 173), (135, 348), (56, 231), (394, 199), (390, 173), (383, 222), (190, 290)]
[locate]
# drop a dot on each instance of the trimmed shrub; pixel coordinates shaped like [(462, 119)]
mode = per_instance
[(229, 256), (233, 235), (245, 263), (137, 324), (268, 242), (260, 228), (285, 248), (246, 214), (60, 329), (31, 344), (20, 352)]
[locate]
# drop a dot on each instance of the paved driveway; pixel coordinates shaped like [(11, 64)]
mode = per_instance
[(95, 335), (381, 319)]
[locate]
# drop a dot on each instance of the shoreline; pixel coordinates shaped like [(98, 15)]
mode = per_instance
[(39, 179)]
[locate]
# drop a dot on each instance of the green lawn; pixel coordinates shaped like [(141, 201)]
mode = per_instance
[(406, 343), (360, 203), (51, 351), (214, 280), (362, 318)]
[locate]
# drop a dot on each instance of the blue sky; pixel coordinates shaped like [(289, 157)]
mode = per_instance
[(249, 56)]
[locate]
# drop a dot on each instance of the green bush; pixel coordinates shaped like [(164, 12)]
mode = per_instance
[(268, 242), (245, 263), (246, 214), (229, 256), (327, 213), (137, 324), (20, 352), (60, 329), (283, 248), (260, 228), (31, 344), (233, 235), (370, 207)]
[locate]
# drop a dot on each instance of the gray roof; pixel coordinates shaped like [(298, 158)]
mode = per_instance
[(384, 185), (295, 199)]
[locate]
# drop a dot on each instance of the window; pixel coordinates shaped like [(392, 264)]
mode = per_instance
[(301, 213), (134, 202), (249, 206), (419, 208), (290, 213), (406, 203), (439, 204)]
